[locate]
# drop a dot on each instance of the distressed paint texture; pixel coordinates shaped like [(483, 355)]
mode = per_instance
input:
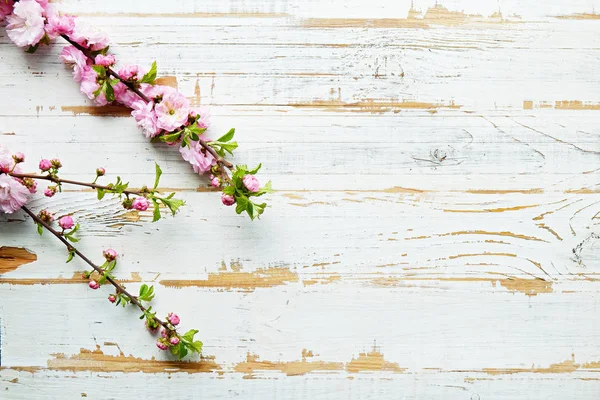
[(434, 233)]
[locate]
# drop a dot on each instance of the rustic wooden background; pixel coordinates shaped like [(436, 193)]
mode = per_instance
[(435, 233)]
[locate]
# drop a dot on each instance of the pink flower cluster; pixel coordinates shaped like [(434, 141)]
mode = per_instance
[(14, 193)]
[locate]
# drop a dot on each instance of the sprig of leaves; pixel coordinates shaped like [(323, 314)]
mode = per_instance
[(243, 196), (187, 344), (69, 235), (150, 76), (146, 293), (105, 83), (224, 144)]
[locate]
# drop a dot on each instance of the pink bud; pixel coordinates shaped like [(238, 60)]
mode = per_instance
[(112, 298), (66, 222), (45, 165), (173, 319), (141, 203), (100, 171), (227, 199), (163, 333), (174, 340), (215, 182), (105, 61), (109, 254), (251, 183), (48, 192), (19, 157), (161, 345), (93, 285)]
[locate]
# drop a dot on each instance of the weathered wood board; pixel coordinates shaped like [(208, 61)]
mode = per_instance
[(435, 233)]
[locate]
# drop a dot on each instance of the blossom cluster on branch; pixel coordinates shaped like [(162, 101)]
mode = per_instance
[(163, 113), (17, 188)]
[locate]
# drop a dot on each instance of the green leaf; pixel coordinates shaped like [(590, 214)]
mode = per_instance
[(109, 92), (189, 335), (40, 229), (156, 211), (227, 137), (101, 193), (265, 189), (158, 174), (70, 257), (229, 147), (172, 204), (179, 350), (99, 69), (197, 346), (242, 203), (150, 77), (255, 170), (32, 49), (173, 137), (230, 190), (146, 293)]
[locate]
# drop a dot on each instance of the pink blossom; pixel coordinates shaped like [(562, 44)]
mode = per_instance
[(89, 85), (141, 203), (7, 162), (174, 340), (112, 298), (59, 25), (45, 165), (204, 113), (66, 222), (93, 284), (13, 195), (49, 192), (161, 345), (105, 61), (125, 96), (89, 36), (6, 8), (172, 111), (201, 160), (109, 254), (173, 319), (26, 23), (154, 91), (227, 199), (131, 72), (251, 183), (42, 3), (71, 56), (145, 117)]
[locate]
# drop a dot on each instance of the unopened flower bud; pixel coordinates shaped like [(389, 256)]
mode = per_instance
[(161, 345), (100, 171), (174, 340), (29, 184), (109, 254), (227, 199), (215, 182), (45, 165), (152, 325), (173, 319), (93, 285), (163, 333), (112, 298), (66, 222), (251, 183), (140, 203), (50, 191)]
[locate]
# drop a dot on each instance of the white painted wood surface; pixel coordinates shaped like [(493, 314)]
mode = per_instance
[(435, 230)]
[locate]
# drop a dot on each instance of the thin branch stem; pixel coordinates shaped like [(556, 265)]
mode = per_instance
[(70, 247), (70, 182), (220, 160)]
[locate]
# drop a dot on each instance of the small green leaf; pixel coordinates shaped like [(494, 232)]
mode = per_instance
[(171, 138), (156, 212), (227, 137), (32, 49), (70, 257), (242, 203), (101, 193), (40, 229), (109, 92), (99, 69), (158, 174), (230, 190), (150, 77), (255, 170), (197, 346), (189, 335)]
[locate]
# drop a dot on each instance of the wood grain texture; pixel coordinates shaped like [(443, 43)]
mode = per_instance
[(435, 230)]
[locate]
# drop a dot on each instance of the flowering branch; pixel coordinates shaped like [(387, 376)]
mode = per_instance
[(163, 113), (15, 190)]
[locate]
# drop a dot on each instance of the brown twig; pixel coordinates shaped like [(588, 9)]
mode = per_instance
[(70, 182), (70, 247), (220, 160)]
